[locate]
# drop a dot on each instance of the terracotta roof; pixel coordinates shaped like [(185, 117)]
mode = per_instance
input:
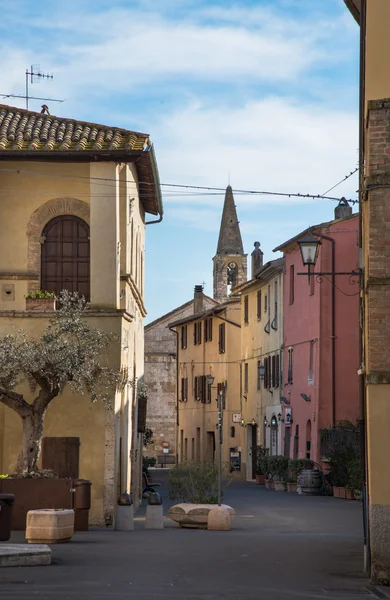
[(30, 135), (355, 6), (177, 309), (25, 130), (307, 231), (215, 310)]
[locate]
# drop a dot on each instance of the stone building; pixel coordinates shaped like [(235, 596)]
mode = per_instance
[(74, 202), (161, 374)]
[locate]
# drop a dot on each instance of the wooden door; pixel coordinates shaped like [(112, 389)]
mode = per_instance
[(61, 454), (65, 258)]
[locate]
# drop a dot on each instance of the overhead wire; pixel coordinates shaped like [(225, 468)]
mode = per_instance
[(341, 181)]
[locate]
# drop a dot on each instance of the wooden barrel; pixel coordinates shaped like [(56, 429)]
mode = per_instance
[(311, 482)]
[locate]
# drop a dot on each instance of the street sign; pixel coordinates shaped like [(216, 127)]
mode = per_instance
[(236, 417)]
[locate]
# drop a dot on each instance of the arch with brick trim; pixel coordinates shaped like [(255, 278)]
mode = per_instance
[(36, 223)]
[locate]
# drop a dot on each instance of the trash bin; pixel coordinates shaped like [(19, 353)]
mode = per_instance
[(81, 503), (6, 502)]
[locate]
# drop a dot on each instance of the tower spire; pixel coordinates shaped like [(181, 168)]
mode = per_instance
[(229, 241), (230, 268)]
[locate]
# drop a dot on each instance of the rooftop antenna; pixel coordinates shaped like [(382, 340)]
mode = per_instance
[(33, 76)]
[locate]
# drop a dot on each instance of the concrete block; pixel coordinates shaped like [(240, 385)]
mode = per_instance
[(219, 519), (49, 526), (124, 520), (154, 517), (24, 555)]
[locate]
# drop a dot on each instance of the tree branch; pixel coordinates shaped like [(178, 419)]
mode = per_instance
[(15, 401)]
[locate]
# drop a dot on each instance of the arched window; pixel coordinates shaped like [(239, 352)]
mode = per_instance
[(65, 256)]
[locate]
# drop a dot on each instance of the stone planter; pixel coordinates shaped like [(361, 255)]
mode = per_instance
[(292, 486), (194, 516), (269, 484), (280, 485), (339, 492), (41, 304), (34, 494), (260, 479), (349, 494), (49, 526)]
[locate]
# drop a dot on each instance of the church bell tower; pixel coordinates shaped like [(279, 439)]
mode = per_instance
[(230, 265)]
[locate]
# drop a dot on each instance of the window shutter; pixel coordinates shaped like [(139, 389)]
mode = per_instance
[(277, 367), (194, 334), (196, 390), (259, 304), (246, 309), (273, 370), (186, 388)]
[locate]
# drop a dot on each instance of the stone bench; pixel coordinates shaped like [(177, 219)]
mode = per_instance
[(194, 515)]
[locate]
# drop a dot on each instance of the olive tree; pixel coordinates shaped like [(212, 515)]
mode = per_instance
[(68, 352)]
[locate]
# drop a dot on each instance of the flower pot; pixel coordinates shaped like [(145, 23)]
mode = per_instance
[(41, 304), (339, 492), (280, 486), (269, 484), (349, 494), (260, 479), (292, 486)]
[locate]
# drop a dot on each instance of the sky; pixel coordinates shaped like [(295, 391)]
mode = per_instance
[(262, 94)]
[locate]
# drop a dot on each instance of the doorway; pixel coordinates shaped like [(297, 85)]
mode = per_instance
[(210, 447)]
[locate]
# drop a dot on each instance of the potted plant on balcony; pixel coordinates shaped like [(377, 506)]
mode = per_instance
[(40, 300), (279, 466), (262, 455)]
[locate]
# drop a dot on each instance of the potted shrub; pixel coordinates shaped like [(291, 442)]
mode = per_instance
[(355, 479), (278, 467), (293, 469), (40, 300), (262, 455), (196, 485), (340, 458)]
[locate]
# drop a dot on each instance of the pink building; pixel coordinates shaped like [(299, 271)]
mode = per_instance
[(321, 337)]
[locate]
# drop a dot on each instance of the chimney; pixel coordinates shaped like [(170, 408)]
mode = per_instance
[(198, 299), (257, 259), (342, 210)]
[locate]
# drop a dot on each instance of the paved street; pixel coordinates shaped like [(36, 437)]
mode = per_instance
[(282, 546)]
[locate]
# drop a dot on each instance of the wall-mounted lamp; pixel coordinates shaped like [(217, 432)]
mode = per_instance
[(253, 422), (280, 417), (274, 422), (265, 422), (210, 379), (309, 247)]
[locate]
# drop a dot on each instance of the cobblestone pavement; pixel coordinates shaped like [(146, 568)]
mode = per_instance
[(282, 547)]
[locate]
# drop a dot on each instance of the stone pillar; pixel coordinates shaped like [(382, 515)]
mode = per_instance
[(105, 236), (376, 241)]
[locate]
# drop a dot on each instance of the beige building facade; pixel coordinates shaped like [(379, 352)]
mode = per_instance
[(261, 357), (373, 17), (161, 376), (73, 214)]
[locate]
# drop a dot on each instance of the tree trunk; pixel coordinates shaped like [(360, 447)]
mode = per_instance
[(32, 440)]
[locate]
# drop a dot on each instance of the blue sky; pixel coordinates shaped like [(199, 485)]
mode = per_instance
[(263, 92)]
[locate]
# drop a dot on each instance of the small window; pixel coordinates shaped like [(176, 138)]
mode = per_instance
[(222, 338), (184, 389), (292, 282), (274, 323), (246, 378), (259, 305), (196, 388), (290, 366), (184, 337), (208, 329), (197, 333), (258, 375), (273, 367), (265, 303), (277, 370), (246, 309)]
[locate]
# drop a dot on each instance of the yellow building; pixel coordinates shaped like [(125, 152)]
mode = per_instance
[(261, 359), (208, 343), (74, 199), (374, 19)]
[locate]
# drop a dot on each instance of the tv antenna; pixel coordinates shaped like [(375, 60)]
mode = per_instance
[(33, 75)]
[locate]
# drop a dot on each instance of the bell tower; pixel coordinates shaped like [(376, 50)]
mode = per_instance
[(230, 268)]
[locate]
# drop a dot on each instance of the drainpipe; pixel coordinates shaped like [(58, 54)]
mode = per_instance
[(177, 393), (362, 388), (156, 221)]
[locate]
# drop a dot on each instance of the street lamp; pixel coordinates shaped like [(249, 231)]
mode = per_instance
[(309, 247), (210, 381)]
